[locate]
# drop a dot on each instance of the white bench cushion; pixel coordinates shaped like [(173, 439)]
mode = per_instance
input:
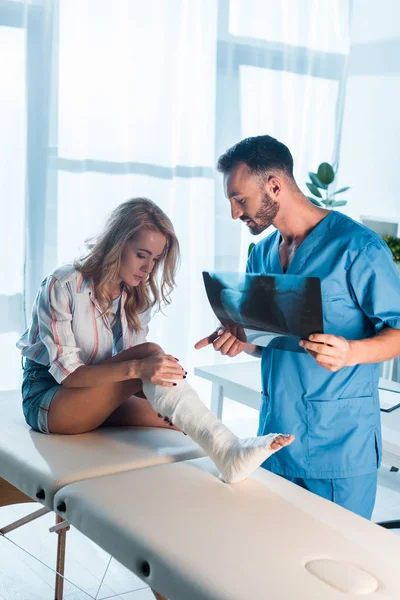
[(189, 535), (36, 462)]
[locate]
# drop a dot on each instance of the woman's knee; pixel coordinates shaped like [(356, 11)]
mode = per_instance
[(136, 352), (149, 349)]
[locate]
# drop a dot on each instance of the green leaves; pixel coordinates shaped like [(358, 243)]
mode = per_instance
[(337, 202), (319, 184), (394, 245), (314, 201), (314, 190), (325, 173), (341, 190)]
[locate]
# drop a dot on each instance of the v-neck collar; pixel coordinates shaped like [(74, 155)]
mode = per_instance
[(303, 251)]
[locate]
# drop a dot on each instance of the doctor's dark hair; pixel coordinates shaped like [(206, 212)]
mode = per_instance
[(262, 154)]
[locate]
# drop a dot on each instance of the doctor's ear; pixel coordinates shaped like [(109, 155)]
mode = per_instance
[(274, 185)]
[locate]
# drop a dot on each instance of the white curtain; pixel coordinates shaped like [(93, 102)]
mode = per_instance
[(103, 100), (286, 61), (136, 94), (371, 123), (12, 196)]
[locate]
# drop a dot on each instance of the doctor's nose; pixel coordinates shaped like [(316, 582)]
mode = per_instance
[(236, 211)]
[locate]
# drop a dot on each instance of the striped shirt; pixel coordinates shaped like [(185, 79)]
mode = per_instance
[(68, 328), (114, 318)]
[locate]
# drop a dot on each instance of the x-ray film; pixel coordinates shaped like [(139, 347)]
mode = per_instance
[(270, 308)]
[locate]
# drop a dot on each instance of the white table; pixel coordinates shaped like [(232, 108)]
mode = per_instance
[(242, 382)]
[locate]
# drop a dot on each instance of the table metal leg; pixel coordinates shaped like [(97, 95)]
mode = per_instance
[(217, 400)]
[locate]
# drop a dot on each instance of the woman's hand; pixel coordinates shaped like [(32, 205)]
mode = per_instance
[(158, 368)]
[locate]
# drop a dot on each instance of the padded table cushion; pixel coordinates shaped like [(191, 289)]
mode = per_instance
[(189, 535), (38, 463)]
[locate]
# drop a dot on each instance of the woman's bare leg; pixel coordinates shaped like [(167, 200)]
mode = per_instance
[(137, 411), (77, 410)]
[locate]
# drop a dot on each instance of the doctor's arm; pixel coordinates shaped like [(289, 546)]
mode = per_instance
[(375, 285), (334, 352)]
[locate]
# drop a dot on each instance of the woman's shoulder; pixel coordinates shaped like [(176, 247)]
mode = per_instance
[(68, 274), (145, 317)]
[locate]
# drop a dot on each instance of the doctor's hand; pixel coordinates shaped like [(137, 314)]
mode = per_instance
[(330, 351), (227, 340)]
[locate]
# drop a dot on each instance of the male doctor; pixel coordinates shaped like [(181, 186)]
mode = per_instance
[(326, 394)]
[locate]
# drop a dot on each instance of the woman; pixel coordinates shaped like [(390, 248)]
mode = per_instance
[(87, 363)]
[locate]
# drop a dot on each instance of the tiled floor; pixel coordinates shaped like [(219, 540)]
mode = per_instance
[(23, 577)]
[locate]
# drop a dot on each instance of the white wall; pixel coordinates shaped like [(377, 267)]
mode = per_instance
[(369, 159)]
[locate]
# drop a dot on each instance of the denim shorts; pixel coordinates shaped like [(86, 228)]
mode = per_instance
[(38, 390)]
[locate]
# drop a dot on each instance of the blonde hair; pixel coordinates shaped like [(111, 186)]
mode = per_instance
[(102, 263)]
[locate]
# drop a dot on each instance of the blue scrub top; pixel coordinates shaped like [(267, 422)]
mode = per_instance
[(334, 416)]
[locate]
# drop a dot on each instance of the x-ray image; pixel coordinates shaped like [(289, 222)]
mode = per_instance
[(283, 305)]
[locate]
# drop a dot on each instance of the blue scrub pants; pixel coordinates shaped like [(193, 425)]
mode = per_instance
[(354, 493)]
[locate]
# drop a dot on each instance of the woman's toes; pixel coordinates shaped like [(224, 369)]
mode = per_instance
[(281, 441), (276, 444)]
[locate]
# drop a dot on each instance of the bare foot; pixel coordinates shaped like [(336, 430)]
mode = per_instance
[(281, 441), (238, 461)]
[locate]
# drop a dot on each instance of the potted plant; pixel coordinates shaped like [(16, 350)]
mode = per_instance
[(394, 245), (319, 187)]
